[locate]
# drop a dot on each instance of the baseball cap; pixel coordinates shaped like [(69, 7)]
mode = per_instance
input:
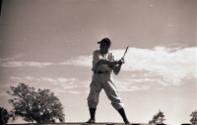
[(106, 40)]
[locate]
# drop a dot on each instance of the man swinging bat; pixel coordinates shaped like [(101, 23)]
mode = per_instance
[(103, 65)]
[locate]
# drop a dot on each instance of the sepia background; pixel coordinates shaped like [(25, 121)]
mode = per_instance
[(49, 44)]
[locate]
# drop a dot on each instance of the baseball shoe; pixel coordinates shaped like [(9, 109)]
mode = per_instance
[(127, 123), (91, 121)]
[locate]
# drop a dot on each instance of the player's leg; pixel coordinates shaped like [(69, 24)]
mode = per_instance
[(116, 102), (93, 99)]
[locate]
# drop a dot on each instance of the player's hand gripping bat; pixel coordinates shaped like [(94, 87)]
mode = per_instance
[(121, 61)]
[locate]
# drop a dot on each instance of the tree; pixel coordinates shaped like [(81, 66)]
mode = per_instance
[(159, 118), (4, 116), (193, 120), (40, 105)]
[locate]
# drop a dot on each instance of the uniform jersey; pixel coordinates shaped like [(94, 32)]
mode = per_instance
[(97, 56)]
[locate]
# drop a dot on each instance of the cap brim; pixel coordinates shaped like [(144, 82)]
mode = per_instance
[(99, 42)]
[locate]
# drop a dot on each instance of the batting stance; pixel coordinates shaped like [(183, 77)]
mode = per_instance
[(103, 65)]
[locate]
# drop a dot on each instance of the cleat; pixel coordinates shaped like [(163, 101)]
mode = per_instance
[(91, 121), (127, 123)]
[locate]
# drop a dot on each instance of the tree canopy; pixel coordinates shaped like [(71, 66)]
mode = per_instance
[(4, 116), (193, 119), (159, 118), (36, 105)]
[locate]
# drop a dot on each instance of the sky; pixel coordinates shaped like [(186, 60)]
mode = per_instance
[(49, 44)]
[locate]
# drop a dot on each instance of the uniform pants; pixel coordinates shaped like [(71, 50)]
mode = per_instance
[(99, 82)]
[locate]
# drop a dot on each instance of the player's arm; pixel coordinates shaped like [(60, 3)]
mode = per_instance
[(117, 67)]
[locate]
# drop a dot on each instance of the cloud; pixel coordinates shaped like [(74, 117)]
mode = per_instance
[(131, 85), (74, 86), (59, 84), (54, 81), (85, 61), (170, 65), (14, 64), (6, 59)]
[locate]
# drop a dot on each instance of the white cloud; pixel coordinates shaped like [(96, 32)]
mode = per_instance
[(59, 84), (80, 61), (130, 85), (75, 86), (6, 59), (170, 67), (12, 64), (54, 81), (173, 67)]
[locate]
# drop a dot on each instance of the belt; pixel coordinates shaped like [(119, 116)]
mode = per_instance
[(101, 72)]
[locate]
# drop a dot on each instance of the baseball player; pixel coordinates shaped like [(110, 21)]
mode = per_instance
[(103, 65)]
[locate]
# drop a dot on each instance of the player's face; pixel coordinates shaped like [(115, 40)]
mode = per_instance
[(104, 48)]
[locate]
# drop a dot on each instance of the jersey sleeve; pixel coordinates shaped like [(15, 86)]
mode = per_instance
[(111, 57), (95, 58)]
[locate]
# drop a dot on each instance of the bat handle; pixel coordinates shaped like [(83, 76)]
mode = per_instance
[(122, 59)]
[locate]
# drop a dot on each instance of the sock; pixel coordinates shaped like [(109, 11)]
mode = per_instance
[(122, 113), (92, 113)]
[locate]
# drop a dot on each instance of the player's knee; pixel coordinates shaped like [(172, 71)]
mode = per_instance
[(92, 103), (117, 105)]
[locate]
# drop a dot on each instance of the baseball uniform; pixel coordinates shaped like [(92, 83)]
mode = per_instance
[(101, 79)]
